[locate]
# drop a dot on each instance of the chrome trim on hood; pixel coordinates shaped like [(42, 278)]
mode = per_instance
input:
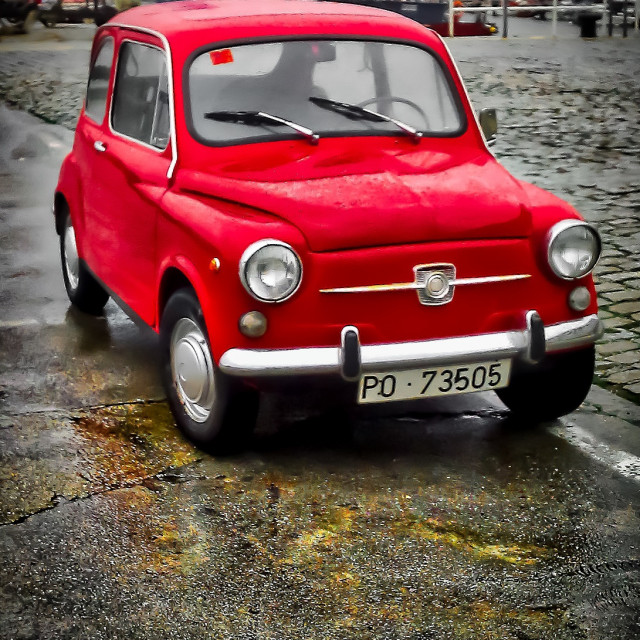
[(402, 286)]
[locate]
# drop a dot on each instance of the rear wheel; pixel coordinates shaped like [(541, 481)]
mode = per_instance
[(84, 291), (552, 389), (213, 410)]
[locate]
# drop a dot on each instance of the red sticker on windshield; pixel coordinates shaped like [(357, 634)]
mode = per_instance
[(222, 56)]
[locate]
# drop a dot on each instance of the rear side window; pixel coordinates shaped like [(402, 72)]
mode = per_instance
[(97, 88), (140, 97)]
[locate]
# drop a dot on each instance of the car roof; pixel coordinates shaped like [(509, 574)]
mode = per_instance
[(259, 18)]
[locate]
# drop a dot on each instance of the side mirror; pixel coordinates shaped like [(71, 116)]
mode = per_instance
[(489, 124)]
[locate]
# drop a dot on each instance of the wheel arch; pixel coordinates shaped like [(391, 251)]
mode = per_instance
[(68, 194), (172, 280), (180, 274)]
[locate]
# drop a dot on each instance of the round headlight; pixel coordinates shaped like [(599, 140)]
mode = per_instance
[(573, 249), (270, 270)]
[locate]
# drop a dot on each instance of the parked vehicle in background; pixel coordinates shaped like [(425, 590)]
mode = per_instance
[(296, 192), (466, 24), (19, 14), (434, 16), (53, 12), (531, 8)]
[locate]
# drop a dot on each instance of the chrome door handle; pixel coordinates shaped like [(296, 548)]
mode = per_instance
[(99, 146)]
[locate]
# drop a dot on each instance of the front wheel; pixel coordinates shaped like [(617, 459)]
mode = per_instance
[(552, 389), (84, 291), (212, 410)]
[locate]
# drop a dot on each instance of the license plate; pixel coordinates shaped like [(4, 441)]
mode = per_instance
[(433, 382)]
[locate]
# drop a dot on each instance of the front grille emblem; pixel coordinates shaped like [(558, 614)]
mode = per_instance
[(435, 283)]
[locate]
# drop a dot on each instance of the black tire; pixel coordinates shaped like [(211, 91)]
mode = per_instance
[(214, 411), (553, 388), (84, 291)]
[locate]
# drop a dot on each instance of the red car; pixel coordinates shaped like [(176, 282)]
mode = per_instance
[(292, 191)]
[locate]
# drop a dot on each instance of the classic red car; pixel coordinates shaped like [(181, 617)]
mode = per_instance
[(295, 190)]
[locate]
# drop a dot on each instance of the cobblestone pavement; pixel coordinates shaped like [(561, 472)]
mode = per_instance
[(570, 116), (570, 122)]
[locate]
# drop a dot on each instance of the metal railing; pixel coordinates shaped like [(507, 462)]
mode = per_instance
[(554, 9)]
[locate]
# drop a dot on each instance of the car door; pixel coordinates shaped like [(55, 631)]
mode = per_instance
[(128, 176)]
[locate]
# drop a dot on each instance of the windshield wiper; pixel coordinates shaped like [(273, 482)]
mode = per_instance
[(259, 118), (355, 111)]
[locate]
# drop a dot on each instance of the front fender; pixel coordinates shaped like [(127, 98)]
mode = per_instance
[(175, 273), (202, 240)]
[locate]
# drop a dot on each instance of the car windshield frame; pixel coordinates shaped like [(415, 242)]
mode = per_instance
[(284, 135)]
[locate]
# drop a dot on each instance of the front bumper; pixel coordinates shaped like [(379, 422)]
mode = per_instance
[(351, 359)]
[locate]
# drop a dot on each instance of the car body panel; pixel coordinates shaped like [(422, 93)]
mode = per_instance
[(389, 200)]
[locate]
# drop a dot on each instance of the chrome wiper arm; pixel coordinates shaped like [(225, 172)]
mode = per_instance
[(260, 118), (355, 111)]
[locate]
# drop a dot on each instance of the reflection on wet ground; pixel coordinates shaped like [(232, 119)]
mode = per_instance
[(84, 361), (446, 527)]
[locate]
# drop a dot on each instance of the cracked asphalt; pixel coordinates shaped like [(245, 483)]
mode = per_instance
[(447, 520)]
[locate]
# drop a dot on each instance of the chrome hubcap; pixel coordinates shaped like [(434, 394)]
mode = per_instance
[(71, 260), (192, 369)]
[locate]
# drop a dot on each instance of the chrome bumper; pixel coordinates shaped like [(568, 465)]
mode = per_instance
[(253, 363)]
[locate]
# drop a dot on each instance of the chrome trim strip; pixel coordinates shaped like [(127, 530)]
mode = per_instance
[(399, 286), (172, 115), (375, 357), (403, 286), (462, 281)]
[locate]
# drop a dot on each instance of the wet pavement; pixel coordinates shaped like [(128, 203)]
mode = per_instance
[(447, 520), (454, 526)]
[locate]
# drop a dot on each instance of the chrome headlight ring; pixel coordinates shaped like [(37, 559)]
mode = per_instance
[(573, 249), (270, 260)]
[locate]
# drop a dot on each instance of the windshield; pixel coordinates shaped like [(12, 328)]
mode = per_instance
[(403, 82)]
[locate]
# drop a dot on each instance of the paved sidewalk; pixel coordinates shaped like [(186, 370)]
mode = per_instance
[(570, 122)]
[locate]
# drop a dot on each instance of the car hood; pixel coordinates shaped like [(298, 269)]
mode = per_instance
[(390, 201)]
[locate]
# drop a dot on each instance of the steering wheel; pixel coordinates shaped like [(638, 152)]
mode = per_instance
[(389, 99)]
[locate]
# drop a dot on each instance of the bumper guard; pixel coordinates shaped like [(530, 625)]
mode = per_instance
[(529, 344)]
